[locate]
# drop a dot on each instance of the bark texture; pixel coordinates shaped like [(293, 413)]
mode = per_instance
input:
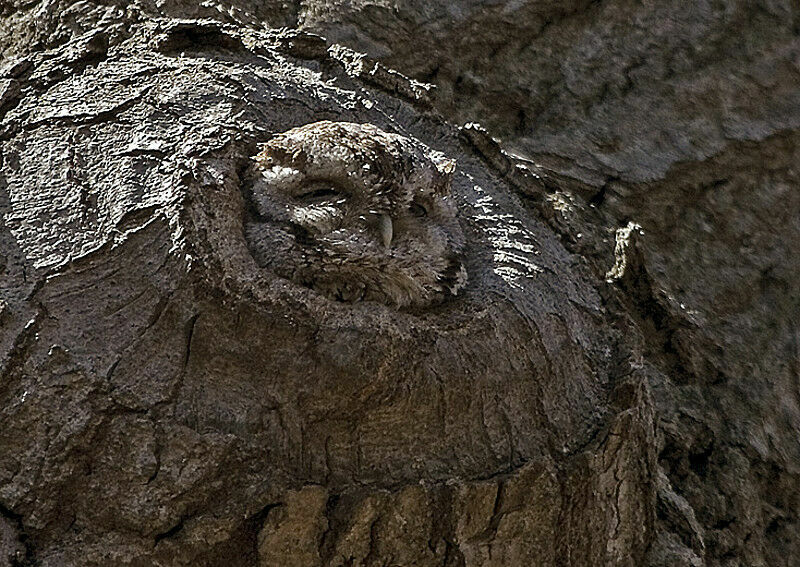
[(617, 385), (682, 118)]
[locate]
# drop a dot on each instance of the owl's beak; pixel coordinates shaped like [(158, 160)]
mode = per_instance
[(386, 229)]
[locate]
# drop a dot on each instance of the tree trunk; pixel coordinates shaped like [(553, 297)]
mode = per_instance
[(175, 390)]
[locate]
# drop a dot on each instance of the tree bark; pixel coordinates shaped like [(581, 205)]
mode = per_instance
[(166, 400)]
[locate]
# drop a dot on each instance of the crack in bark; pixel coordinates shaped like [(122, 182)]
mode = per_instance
[(82, 119)]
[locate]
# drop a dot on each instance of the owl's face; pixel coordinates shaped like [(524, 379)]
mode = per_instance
[(357, 214)]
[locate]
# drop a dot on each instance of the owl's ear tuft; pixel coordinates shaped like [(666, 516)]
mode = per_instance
[(280, 151)]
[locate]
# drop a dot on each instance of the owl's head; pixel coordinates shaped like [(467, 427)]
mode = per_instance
[(357, 214)]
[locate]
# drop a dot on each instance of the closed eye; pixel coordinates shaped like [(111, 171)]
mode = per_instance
[(320, 194), (418, 210)]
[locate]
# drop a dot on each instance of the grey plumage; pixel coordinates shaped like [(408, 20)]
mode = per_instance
[(357, 214)]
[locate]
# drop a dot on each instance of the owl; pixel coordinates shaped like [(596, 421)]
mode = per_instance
[(356, 214)]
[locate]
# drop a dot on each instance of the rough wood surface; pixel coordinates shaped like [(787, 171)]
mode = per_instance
[(616, 384)]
